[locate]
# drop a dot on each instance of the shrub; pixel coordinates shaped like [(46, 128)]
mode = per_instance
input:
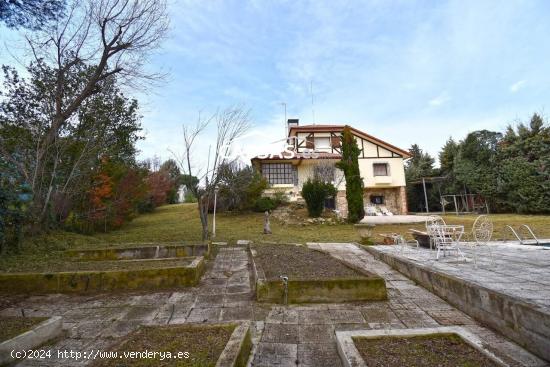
[(239, 188), (280, 197), (315, 192), (189, 197), (265, 203)]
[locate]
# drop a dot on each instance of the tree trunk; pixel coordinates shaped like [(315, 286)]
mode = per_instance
[(203, 212)]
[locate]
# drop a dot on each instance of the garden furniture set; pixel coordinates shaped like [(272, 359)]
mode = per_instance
[(445, 238)]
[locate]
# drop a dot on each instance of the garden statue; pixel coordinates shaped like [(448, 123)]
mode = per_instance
[(267, 228)]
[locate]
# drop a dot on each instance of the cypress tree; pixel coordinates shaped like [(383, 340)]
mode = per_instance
[(349, 164)]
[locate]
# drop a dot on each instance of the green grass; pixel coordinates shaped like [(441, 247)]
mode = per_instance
[(180, 223)]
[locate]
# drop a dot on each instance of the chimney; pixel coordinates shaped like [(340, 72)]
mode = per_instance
[(293, 123)]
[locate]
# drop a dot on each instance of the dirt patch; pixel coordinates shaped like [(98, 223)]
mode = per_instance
[(12, 326), (68, 265), (204, 343), (300, 262), (447, 350)]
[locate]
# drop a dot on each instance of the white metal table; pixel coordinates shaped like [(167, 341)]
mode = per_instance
[(447, 238)]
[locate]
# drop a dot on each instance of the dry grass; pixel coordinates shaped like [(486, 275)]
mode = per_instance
[(180, 223), (11, 327)]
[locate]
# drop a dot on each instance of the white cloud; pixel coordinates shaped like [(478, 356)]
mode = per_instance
[(517, 86), (439, 100)]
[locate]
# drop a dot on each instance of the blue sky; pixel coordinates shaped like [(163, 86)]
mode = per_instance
[(404, 71)]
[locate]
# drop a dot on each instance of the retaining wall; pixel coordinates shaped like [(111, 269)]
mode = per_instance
[(525, 323)]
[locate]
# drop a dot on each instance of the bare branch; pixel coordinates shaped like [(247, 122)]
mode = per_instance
[(231, 123)]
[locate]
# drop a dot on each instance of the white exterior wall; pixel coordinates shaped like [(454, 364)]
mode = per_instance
[(372, 153), (305, 171), (396, 172)]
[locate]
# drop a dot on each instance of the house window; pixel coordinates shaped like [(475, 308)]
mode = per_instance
[(377, 199), (280, 173), (322, 143), (380, 169)]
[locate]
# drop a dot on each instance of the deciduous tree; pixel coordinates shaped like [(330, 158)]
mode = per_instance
[(231, 124), (75, 57), (31, 14)]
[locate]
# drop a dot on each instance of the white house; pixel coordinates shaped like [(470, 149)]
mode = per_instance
[(318, 147)]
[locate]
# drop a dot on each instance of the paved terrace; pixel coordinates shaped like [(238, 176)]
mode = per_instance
[(520, 271), (511, 294), (282, 335)]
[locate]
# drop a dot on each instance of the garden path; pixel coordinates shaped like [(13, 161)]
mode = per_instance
[(296, 335)]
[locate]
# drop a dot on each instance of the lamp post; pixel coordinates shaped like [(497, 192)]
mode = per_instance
[(214, 218)]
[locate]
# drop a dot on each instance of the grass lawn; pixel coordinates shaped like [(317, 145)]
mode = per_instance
[(180, 223)]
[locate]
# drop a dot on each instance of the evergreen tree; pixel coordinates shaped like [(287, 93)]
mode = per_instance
[(476, 165), (524, 175), (420, 165), (172, 169), (349, 164), (447, 156)]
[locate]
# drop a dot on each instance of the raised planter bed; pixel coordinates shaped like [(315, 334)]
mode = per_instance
[(149, 251), (101, 276), (219, 345), (429, 347), (313, 277), (24, 333)]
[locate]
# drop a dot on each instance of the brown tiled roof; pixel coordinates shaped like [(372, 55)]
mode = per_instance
[(318, 127), (320, 155), (339, 128)]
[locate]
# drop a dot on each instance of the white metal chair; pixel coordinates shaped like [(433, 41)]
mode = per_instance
[(385, 210), (370, 210), (482, 231), (431, 223), (400, 241)]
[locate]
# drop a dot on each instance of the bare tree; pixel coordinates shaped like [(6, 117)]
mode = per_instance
[(114, 38), (324, 170), (232, 123)]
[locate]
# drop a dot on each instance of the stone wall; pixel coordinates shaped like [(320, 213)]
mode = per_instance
[(342, 204), (395, 199)]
